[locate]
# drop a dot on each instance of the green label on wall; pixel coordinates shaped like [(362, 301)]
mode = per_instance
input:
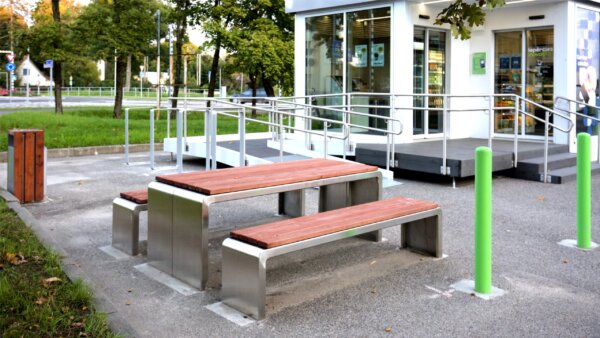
[(478, 67)]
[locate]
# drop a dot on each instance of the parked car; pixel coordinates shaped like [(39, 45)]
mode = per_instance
[(246, 96), (3, 92)]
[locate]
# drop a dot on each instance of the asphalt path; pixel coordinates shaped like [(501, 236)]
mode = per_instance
[(350, 288)]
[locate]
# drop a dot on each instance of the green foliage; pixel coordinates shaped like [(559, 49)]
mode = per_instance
[(37, 299), (462, 16)]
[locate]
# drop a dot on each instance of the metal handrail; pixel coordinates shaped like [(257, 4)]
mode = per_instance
[(576, 113)]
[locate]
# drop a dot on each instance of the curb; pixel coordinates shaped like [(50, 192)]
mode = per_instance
[(94, 150), (70, 266)]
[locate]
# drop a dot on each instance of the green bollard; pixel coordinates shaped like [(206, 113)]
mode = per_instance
[(584, 191), (483, 220)]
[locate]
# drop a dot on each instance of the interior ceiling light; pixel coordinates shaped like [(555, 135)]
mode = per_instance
[(518, 2), (377, 18)]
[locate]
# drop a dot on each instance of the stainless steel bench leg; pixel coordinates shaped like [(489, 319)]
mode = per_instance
[(365, 191), (292, 203), (424, 235), (126, 225), (243, 278)]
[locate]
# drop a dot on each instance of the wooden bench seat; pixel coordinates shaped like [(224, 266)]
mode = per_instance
[(245, 254), (126, 220), (139, 196)]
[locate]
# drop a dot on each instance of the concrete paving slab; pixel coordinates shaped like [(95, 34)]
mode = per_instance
[(348, 288)]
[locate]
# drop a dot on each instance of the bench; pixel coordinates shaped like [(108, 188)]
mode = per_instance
[(126, 220), (246, 252)]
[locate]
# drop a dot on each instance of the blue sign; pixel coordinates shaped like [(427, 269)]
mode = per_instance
[(49, 64), (10, 67)]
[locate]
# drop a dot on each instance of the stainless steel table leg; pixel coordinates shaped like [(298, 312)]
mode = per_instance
[(292, 203), (333, 196), (160, 225), (423, 235), (190, 238), (364, 191), (126, 225)]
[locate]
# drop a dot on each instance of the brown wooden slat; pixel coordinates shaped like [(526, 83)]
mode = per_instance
[(39, 166), (293, 230), (139, 197), (19, 164), (29, 167), (262, 176)]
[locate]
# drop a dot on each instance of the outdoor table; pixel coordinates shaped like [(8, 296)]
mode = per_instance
[(178, 204)]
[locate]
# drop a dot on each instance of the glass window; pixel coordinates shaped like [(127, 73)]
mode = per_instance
[(508, 72), (588, 59), (368, 63), (540, 76)]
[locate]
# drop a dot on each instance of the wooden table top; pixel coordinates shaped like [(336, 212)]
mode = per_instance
[(222, 181)]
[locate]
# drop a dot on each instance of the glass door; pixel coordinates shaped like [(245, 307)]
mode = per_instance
[(524, 65), (429, 76)]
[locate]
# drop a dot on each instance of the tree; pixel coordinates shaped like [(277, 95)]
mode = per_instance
[(181, 16), (12, 26), (462, 16), (50, 38), (215, 17), (117, 28)]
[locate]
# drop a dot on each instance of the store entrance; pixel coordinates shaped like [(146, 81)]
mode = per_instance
[(524, 65), (429, 77)]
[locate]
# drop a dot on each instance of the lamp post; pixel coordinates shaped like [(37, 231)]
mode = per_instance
[(158, 61)]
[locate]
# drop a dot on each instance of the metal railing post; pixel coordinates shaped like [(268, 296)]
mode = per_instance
[(168, 123), (325, 150), (281, 137), (516, 131), (242, 131), (152, 139), (491, 121), (207, 140), (127, 136), (214, 122), (179, 141), (547, 117), (444, 169)]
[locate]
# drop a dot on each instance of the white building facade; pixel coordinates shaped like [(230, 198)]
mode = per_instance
[(540, 50), (29, 74)]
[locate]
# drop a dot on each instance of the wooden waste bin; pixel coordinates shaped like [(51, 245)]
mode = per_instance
[(26, 164)]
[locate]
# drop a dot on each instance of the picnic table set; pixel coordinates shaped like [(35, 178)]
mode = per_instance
[(350, 205)]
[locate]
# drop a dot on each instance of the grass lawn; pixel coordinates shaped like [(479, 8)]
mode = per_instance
[(37, 299), (82, 127)]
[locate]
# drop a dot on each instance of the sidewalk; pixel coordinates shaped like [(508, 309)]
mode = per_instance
[(349, 288)]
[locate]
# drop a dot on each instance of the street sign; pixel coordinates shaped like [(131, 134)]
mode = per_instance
[(49, 64), (14, 77), (10, 67), (10, 57)]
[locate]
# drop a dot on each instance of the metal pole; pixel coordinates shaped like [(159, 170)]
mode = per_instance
[(179, 141), (584, 191), (546, 147), (126, 135), (152, 139), (214, 137), (483, 220), (158, 61), (325, 150), (445, 139), (207, 129), (242, 130), (516, 127), (280, 137), (491, 120)]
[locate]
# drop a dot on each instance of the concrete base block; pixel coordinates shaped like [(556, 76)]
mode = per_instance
[(468, 286), (572, 243)]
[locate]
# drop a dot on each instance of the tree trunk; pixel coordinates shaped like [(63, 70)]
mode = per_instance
[(268, 85), (254, 85), (128, 76), (121, 69), (179, 35), (58, 106)]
